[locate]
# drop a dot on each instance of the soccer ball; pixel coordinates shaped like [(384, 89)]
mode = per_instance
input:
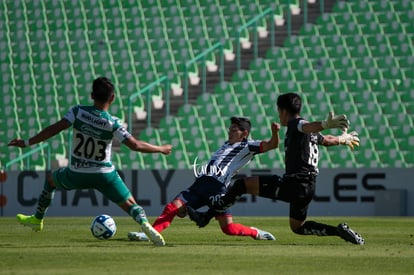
[(103, 227)]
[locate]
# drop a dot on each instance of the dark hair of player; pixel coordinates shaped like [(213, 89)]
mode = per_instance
[(291, 102), (102, 89), (242, 122)]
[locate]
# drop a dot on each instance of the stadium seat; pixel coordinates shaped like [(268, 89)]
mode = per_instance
[(192, 127), (288, 86), (342, 157), (214, 125), (170, 130), (392, 157), (395, 39), (342, 102), (395, 120), (306, 74), (228, 105), (363, 63), (406, 18), (272, 159), (357, 47), (349, 74), (130, 159), (207, 106)]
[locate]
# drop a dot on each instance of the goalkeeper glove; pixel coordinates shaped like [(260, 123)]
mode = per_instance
[(349, 139), (339, 121)]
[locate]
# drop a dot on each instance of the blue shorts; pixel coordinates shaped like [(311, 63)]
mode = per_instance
[(110, 184), (202, 192)]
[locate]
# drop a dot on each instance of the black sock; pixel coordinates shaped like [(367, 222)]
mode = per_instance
[(314, 228), (45, 199), (232, 195)]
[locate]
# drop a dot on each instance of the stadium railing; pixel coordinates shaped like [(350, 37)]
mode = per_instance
[(26, 156), (146, 107), (203, 57), (254, 23), (147, 90)]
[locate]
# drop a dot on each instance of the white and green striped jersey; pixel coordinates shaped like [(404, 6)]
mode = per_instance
[(93, 131)]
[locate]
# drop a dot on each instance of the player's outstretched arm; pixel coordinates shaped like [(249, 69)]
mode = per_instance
[(274, 140), (332, 121), (349, 139), (43, 135), (145, 147)]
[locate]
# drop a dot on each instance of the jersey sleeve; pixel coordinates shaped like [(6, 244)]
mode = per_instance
[(71, 114), (320, 138), (255, 146), (121, 133), (300, 124)]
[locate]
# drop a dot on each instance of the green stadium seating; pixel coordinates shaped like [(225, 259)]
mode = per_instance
[(132, 160), (342, 157), (50, 51)]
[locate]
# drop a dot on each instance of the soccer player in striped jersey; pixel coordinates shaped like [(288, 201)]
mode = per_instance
[(91, 167), (212, 181), (297, 185)]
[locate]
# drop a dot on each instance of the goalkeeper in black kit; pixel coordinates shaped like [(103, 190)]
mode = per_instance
[(297, 185)]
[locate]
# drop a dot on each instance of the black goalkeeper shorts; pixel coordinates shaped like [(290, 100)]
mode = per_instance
[(297, 190)]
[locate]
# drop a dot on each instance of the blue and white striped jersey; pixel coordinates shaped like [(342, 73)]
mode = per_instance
[(229, 159), (93, 131)]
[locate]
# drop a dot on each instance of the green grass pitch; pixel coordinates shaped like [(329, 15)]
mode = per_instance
[(66, 246)]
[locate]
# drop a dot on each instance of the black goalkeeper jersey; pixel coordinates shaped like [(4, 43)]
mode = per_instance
[(301, 150)]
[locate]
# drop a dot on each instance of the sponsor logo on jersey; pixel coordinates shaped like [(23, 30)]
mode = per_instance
[(88, 130), (94, 120)]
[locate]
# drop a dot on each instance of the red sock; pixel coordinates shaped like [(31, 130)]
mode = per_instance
[(165, 219), (237, 229)]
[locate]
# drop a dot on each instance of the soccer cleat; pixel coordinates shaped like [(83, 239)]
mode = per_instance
[(153, 234), (263, 235), (199, 218), (30, 221), (138, 236), (349, 235)]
